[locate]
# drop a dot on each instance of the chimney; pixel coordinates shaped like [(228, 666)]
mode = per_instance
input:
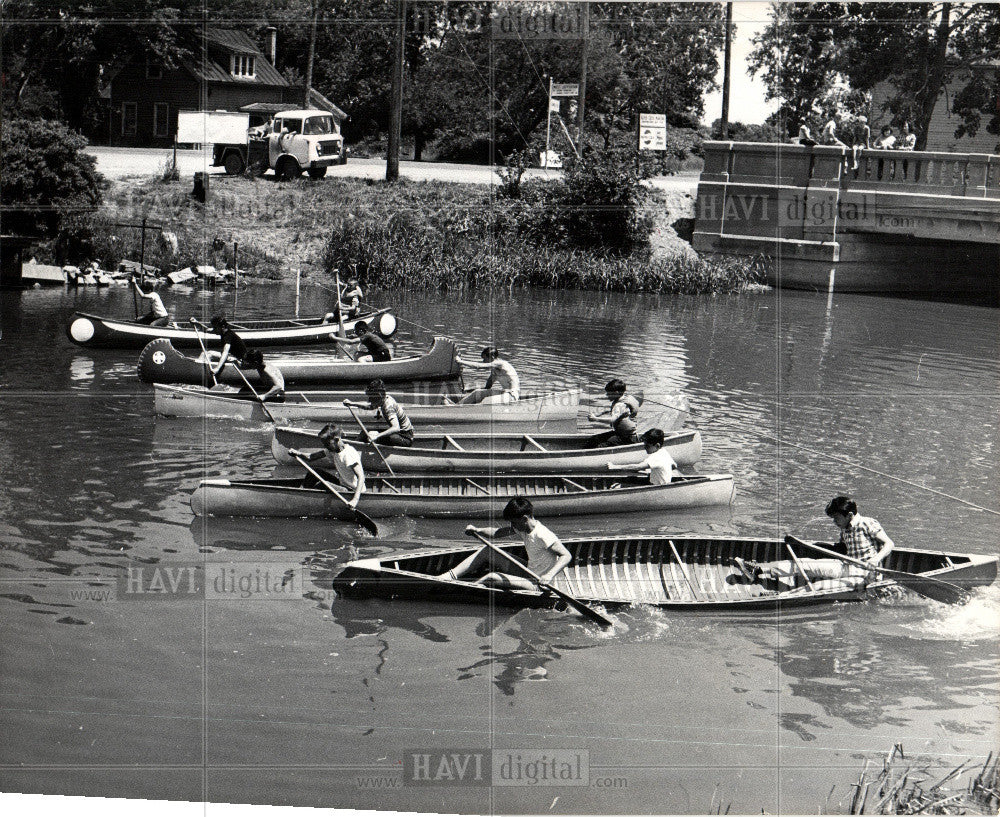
[(272, 43)]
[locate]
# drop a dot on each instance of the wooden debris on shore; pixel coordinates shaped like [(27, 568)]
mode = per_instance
[(904, 789)]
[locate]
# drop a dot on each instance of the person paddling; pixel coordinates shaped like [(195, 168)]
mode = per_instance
[(270, 376), (376, 349), (232, 344), (547, 556), (862, 537), (345, 459), (400, 430), (622, 414), (157, 315), (351, 299), (503, 382), (658, 463)]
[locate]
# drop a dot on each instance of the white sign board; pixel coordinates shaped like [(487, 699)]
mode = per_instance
[(565, 89), (652, 131), (212, 127), (553, 105)]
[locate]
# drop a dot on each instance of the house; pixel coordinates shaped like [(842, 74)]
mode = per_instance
[(941, 130), (224, 70)]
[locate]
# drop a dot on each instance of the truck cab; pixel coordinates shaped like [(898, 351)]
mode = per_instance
[(307, 140)]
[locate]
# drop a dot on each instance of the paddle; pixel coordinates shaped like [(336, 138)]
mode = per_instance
[(135, 297), (364, 431), (253, 391), (579, 606), (361, 518), (204, 351), (926, 586)]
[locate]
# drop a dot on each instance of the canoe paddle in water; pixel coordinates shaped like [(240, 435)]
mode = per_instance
[(364, 431), (195, 323), (253, 391), (579, 606), (927, 586), (361, 518)]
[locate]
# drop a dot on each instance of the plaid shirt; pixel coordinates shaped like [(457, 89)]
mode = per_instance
[(860, 538)]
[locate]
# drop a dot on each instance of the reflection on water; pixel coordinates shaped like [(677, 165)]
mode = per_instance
[(795, 395)]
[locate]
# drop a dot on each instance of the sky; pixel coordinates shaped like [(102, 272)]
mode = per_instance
[(746, 95)]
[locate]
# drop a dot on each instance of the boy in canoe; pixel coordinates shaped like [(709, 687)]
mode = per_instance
[(658, 463), (624, 409), (232, 344), (270, 376), (346, 461), (503, 382), (400, 430), (376, 349), (547, 556), (351, 304), (157, 315), (863, 539)]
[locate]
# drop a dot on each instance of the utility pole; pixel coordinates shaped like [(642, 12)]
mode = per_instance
[(396, 103), (585, 30), (312, 54), (724, 125)]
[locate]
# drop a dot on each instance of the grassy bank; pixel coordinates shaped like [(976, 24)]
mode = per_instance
[(412, 234)]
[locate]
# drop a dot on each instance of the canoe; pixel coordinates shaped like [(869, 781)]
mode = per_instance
[(473, 497), (495, 453), (663, 571), (530, 413), (160, 362), (109, 333)]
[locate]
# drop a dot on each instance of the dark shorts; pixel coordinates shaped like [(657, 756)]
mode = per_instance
[(403, 439)]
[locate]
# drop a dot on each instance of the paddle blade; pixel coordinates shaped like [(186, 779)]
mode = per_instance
[(580, 607), (366, 522), (944, 592)]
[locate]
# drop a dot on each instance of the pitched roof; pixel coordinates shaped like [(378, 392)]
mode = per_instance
[(205, 67)]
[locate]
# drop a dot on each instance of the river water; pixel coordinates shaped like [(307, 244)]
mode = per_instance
[(296, 699)]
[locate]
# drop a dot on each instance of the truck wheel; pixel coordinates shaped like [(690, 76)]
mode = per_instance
[(287, 169), (233, 164), (317, 172)]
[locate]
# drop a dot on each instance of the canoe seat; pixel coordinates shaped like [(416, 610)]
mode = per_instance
[(528, 440)]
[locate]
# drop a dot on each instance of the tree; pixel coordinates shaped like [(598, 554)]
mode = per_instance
[(47, 174)]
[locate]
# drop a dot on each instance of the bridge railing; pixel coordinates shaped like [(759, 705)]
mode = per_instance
[(929, 172)]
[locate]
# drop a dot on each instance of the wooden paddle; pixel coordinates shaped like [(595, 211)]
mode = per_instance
[(579, 606), (926, 586), (135, 296), (204, 351), (253, 391), (361, 518), (364, 431)]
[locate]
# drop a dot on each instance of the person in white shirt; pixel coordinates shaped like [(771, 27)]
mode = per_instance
[(547, 556), (157, 315), (346, 460), (658, 463), (502, 386)]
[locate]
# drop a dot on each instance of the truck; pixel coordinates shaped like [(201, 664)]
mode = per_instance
[(296, 140)]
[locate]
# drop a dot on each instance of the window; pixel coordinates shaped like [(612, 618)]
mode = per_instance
[(129, 119), (292, 125), (243, 65), (154, 70), (161, 119), (318, 125)]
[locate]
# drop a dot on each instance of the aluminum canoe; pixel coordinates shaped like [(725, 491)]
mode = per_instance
[(95, 331), (496, 453), (664, 571), (530, 413), (160, 362), (473, 497)]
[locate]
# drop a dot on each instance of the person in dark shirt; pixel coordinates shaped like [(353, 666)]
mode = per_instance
[(272, 381), (232, 344), (375, 349)]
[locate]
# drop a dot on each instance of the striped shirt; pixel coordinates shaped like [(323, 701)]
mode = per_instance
[(860, 538), (390, 408)]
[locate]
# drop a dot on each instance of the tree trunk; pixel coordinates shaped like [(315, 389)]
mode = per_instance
[(396, 101), (419, 140), (312, 54), (935, 77)]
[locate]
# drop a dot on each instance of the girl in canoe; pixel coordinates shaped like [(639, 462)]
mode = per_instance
[(345, 459), (232, 344), (861, 536), (658, 463), (547, 556), (400, 430), (503, 384), (622, 414)]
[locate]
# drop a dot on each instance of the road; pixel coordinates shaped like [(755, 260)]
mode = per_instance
[(121, 163)]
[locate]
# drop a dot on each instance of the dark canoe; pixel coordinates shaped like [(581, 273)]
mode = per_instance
[(160, 362), (474, 496), (110, 333), (497, 453), (673, 572)]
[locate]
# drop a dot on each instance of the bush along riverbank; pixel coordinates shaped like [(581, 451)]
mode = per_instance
[(599, 227)]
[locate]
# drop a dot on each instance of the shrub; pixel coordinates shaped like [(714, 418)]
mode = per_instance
[(47, 174)]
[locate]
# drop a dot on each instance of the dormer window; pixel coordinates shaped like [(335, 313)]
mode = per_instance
[(243, 65)]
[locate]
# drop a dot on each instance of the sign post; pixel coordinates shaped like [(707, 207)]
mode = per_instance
[(548, 126)]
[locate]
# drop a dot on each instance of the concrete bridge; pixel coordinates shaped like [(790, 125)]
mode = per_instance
[(898, 222)]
